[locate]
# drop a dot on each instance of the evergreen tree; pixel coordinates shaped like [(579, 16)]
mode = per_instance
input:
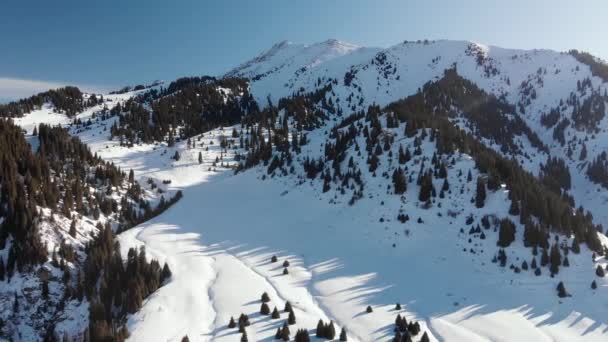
[(399, 181), (330, 332), (265, 298), (275, 313), (343, 336), (302, 336), (369, 309), (425, 338), (599, 271), (291, 319), (544, 258), (200, 157), (73, 229), (185, 339), (426, 187), (561, 290), (231, 324), (321, 329), (45, 289), (480, 196), (166, 273), (555, 259), (285, 332), (277, 335), (288, 307), (593, 285), (264, 309), (506, 234)]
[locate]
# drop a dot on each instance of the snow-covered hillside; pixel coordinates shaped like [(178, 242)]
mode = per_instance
[(339, 202), (534, 81)]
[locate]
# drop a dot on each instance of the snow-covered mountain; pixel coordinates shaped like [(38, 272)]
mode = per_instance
[(436, 180), (536, 82)]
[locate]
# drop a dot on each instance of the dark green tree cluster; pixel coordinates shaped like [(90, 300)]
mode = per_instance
[(598, 170), (68, 100), (555, 174), (196, 105), (115, 289), (326, 330), (58, 176)]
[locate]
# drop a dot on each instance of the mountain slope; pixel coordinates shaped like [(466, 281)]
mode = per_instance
[(433, 198), (537, 83)]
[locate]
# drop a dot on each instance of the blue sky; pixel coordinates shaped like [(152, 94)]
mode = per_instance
[(107, 44)]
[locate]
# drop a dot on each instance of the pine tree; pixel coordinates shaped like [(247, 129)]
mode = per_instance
[(561, 290), (544, 258), (398, 306), (369, 309), (330, 331), (426, 187), (73, 229), (277, 335), (555, 259), (265, 298), (286, 263), (425, 337), (273, 259), (200, 157), (244, 336), (275, 313), (285, 332), (185, 339), (291, 319), (593, 285), (576, 248), (231, 324), (480, 196), (45, 289), (399, 181), (264, 309), (288, 307), (302, 336), (166, 273), (343, 336), (285, 271), (506, 234), (321, 329), (599, 271)]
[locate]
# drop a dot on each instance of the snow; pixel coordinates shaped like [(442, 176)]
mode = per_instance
[(218, 240)]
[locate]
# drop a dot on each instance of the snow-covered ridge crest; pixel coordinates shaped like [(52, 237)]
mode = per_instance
[(290, 56)]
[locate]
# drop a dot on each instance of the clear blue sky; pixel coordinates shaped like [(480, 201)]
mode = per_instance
[(113, 43)]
